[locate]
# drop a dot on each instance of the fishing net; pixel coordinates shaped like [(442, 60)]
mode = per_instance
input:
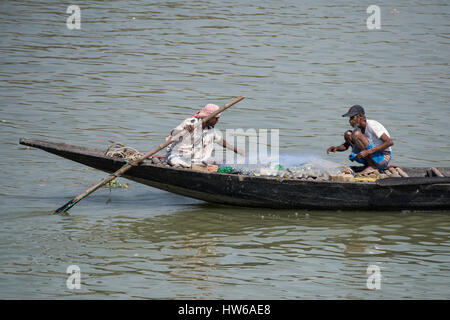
[(291, 167), (304, 168)]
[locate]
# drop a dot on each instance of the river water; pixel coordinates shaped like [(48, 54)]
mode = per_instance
[(135, 69)]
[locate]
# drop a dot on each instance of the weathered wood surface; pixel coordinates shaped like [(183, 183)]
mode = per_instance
[(436, 172)]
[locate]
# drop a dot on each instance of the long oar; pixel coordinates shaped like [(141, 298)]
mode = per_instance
[(127, 166)]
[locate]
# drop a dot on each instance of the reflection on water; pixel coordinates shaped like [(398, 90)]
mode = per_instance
[(135, 70), (210, 252)]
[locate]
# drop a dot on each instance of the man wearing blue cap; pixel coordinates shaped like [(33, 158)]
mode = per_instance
[(370, 141)]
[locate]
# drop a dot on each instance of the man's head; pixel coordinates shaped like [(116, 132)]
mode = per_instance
[(356, 115), (206, 111), (212, 122)]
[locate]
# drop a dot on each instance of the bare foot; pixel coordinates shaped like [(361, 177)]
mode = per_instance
[(367, 170), (212, 168)]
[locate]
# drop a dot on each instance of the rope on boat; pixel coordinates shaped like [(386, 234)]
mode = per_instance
[(119, 150), (129, 154)]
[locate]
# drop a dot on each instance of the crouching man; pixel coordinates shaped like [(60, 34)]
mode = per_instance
[(370, 141)]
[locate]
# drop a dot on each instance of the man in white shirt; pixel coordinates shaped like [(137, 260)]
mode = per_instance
[(197, 146), (370, 141)]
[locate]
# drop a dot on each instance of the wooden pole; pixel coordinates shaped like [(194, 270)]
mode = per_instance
[(128, 166)]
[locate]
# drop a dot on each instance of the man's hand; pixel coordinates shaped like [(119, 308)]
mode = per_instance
[(241, 152), (331, 149), (363, 154)]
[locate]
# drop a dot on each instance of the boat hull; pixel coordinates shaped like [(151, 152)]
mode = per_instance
[(242, 190)]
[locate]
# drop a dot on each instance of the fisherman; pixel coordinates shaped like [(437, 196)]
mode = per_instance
[(370, 141), (197, 146)]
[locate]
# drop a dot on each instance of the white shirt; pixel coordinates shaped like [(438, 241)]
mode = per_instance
[(374, 131), (194, 147)]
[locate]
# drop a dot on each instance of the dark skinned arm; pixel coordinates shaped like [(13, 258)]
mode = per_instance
[(340, 148), (229, 146), (387, 142)]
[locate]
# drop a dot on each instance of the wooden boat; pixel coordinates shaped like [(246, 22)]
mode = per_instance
[(417, 192)]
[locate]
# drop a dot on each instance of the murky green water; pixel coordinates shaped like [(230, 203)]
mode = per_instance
[(136, 69)]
